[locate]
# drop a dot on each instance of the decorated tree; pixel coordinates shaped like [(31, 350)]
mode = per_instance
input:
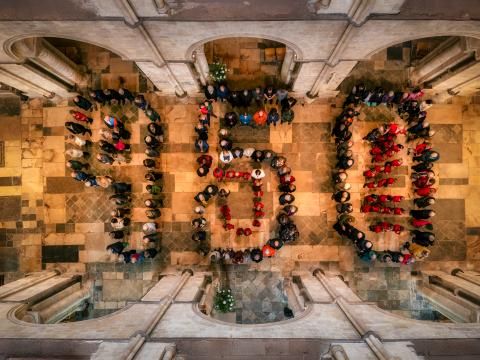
[(224, 301), (218, 72)]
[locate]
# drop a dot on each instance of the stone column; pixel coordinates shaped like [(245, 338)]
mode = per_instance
[(330, 78), (201, 65), (162, 7), (471, 276), (23, 85), (287, 66), (26, 282), (42, 53)]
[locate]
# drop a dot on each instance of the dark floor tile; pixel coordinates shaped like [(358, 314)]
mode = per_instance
[(10, 208)]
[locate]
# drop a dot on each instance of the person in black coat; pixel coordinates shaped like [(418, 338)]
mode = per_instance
[(116, 248), (149, 163), (125, 95), (341, 196), (153, 176), (150, 253), (231, 119), (258, 156), (155, 129), (424, 238), (245, 98), (107, 147), (234, 99), (199, 236), (75, 128), (210, 93), (424, 201), (344, 163), (344, 208), (286, 199), (422, 167), (422, 214), (117, 235), (121, 188), (83, 103), (428, 156)]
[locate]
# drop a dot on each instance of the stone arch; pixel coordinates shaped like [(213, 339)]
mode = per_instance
[(360, 49), (8, 44), (197, 44)]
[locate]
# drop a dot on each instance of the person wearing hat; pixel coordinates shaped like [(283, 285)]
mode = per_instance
[(75, 128), (256, 255), (258, 174)]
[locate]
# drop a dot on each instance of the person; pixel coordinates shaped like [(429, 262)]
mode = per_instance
[(149, 163), (423, 238), (424, 201), (278, 162), (418, 251), (286, 199), (150, 253), (80, 175), (151, 203), (224, 193), (152, 115), (154, 189), (121, 187), (231, 119), (77, 115), (119, 223), (120, 199), (112, 95), (201, 146), (343, 208), (120, 212), (107, 147), (78, 141), (152, 213), (77, 165), (83, 103), (140, 102), (199, 235), (210, 93), (76, 153), (202, 198), (245, 98), (225, 144), (104, 181), (125, 95), (256, 255), (287, 116), (116, 234), (199, 223), (258, 174), (269, 95), (120, 146), (226, 157), (151, 141), (283, 171), (75, 128), (155, 129), (153, 176), (258, 156), (260, 117), (203, 171), (290, 210), (112, 122), (152, 152), (339, 177), (287, 188), (427, 156), (341, 196), (211, 190), (98, 96), (422, 214), (117, 247), (344, 163), (223, 93), (273, 117), (149, 227), (105, 159), (245, 118)]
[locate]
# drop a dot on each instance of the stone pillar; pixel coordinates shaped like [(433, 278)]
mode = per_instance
[(23, 85), (471, 276), (162, 7), (287, 66), (201, 65), (449, 53), (360, 10), (129, 15), (25, 283), (330, 78), (42, 53)]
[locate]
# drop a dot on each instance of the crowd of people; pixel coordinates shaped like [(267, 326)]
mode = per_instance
[(383, 148), (224, 172), (114, 147)]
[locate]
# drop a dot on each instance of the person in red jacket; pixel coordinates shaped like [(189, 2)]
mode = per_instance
[(398, 211), (77, 115), (287, 179), (426, 191), (418, 223), (370, 199), (398, 229), (205, 160), (370, 185), (384, 198), (396, 198), (230, 174), (247, 231), (218, 173)]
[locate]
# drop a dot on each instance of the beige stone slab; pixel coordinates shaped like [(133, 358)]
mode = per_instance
[(13, 143), (54, 201), (188, 258), (10, 190), (74, 239), (308, 203), (310, 253), (180, 161), (13, 157), (313, 113), (10, 171), (53, 216), (54, 142), (54, 169), (281, 134), (453, 170), (56, 116), (445, 114), (89, 227), (180, 133), (54, 239), (452, 192), (32, 175)]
